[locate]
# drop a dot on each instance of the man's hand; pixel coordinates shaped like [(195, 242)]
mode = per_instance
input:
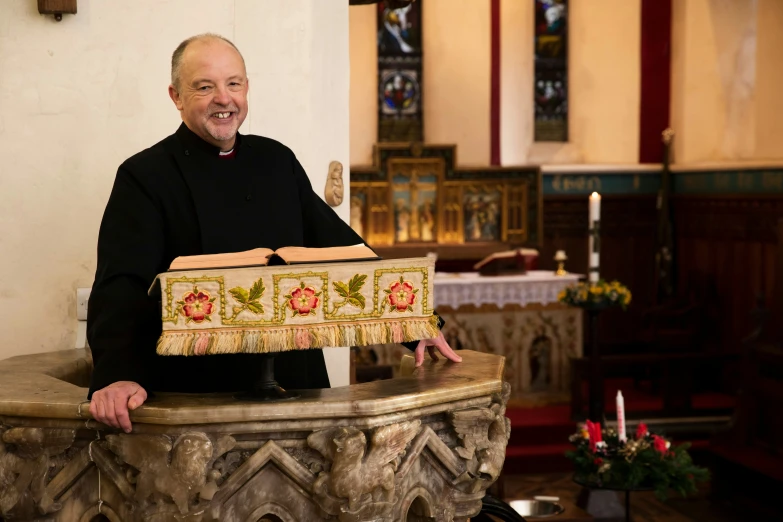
[(430, 344), (110, 405)]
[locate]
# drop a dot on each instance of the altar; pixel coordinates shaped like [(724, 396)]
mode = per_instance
[(516, 316)]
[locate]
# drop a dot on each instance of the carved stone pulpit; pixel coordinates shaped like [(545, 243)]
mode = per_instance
[(423, 446)]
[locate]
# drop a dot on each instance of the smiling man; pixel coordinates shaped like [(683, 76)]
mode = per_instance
[(206, 189)]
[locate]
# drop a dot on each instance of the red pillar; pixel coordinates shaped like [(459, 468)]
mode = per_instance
[(494, 102), (655, 78)]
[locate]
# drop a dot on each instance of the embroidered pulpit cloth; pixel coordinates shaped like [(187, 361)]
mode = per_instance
[(264, 309)]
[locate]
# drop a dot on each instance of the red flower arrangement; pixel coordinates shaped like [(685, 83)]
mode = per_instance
[(647, 460)]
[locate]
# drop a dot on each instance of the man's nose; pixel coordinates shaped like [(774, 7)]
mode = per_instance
[(222, 96)]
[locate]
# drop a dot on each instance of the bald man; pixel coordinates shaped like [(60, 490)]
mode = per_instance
[(206, 189)]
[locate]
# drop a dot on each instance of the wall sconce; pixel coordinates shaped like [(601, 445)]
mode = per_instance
[(57, 8)]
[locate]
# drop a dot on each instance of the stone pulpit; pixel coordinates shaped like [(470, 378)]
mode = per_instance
[(423, 446)]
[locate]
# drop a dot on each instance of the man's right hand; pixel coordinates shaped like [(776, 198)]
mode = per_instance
[(110, 405)]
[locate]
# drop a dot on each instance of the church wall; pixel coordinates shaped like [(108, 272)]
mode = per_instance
[(769, 80), (726, 80), (605, 74), (364, 82), (456, 84), (80, 96)]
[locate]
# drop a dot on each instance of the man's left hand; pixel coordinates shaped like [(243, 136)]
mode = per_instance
[(431, 344)]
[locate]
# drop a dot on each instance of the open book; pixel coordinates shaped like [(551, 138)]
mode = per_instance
[(516, 261), (267, 256)]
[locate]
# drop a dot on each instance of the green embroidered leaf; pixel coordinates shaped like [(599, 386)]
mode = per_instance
[(238, 309), (256, 308), (357, 300), (415, 290), (288, 296), (257, 290), (356, 283), (208, 318), (341, 288), (301, 285), (387, 290), (240, 294), (212, 300)]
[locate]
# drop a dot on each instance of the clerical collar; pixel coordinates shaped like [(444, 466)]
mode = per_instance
[(191, 139)]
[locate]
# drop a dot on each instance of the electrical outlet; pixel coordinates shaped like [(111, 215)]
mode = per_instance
[(82, 297)]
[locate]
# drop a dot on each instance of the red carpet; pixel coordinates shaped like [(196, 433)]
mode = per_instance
[(539, 435)]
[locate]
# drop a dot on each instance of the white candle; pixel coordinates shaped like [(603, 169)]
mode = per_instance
[(621, 417), (595, 217)]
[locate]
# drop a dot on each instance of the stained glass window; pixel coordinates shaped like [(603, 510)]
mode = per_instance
[(551, 71), (399, 73)]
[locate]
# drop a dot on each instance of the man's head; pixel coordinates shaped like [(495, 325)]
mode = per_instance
[(209, 87)]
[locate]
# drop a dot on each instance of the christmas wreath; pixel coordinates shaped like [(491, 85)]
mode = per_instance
[(645, 461)]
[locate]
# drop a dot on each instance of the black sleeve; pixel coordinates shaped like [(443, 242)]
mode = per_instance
[(324, 228), (123, 323)]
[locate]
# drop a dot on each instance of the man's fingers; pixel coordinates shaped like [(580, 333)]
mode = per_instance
[(433, 355), (94, 408), (121, 413), (447, 352), (138, 398), (111, 414), (419, 353)]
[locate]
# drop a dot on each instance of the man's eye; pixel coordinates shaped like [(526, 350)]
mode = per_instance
[(203, 88)]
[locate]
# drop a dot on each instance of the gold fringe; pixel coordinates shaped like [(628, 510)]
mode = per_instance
[(304, 337)]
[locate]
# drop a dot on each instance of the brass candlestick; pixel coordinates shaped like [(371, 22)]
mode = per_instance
[(560, 259)]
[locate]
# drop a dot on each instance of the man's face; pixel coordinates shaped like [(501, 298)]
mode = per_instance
[(212, 95)]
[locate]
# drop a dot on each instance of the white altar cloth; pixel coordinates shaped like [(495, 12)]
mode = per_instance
[(470, 288)]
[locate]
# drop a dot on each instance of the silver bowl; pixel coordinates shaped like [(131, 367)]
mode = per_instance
[(536, 508)]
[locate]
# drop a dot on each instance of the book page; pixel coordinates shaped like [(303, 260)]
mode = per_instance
[(292, 255), (255, 257)]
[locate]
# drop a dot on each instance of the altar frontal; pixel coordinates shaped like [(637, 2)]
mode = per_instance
[(265, 309)]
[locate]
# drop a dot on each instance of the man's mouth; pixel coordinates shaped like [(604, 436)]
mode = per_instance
[(222, 115)]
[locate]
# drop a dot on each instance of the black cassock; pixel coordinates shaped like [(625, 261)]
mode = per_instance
[(177, 198)]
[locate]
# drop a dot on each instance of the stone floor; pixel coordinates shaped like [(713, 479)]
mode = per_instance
[(644, 506)]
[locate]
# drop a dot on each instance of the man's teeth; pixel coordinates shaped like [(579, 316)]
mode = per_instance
[(222, 115)]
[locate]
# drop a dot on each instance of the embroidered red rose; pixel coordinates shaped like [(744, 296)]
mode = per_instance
[(197, 306), (303, 300), (401, 295)]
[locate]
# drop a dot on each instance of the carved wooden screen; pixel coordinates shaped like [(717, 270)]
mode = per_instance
[(416, 198)]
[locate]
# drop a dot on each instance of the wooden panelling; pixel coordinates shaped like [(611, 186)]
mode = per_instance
[(728, 244), (628, 225)]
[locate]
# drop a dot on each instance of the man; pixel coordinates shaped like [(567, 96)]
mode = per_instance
[(206, 189)]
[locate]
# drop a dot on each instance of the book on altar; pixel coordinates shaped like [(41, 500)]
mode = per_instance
[(266, 256), (293, 298), (508, 262)]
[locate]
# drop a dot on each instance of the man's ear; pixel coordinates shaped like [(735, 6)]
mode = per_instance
[(175, 97)]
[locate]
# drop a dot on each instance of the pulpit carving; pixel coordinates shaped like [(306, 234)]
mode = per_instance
[(358, 471), (28, 457), (483, 434), (181, 471)]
